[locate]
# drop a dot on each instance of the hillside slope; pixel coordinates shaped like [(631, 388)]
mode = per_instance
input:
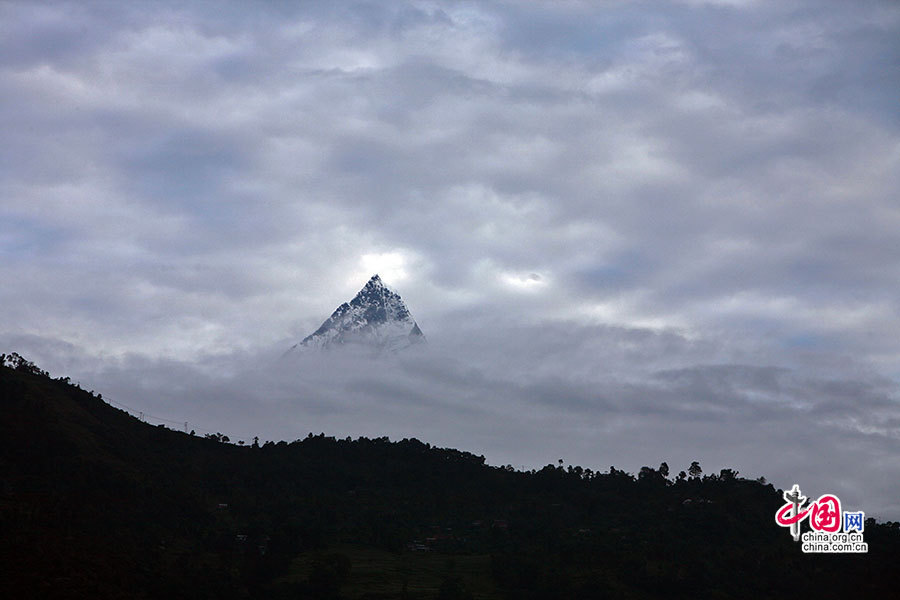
[(95, 503)]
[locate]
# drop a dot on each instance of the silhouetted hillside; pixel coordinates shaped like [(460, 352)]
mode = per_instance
[(95, 503)]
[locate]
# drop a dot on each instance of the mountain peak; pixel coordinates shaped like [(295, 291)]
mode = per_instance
[(376, 317)]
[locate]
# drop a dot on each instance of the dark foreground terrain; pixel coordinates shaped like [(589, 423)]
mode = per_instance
[(97, 504)]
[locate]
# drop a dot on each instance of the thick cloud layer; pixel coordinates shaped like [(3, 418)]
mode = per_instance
[(634, 232)]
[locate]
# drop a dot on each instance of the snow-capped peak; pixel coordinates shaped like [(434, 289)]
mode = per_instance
[(376, 316)]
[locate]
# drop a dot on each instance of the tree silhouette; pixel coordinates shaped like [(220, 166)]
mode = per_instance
[(694, 470)]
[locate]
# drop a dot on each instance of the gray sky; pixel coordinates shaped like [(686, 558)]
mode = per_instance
[(632, 231)]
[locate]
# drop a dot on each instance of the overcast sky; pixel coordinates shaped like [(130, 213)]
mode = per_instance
[(632, 232)]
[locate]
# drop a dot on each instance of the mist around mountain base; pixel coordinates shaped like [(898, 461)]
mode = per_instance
[(531, 394)]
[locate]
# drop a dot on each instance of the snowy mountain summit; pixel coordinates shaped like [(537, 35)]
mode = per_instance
[(377, 317)]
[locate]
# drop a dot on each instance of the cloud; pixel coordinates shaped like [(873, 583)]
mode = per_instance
[(670, 223), (527, 395)]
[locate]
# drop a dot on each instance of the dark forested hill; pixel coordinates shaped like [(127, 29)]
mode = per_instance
[(97, 504)]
